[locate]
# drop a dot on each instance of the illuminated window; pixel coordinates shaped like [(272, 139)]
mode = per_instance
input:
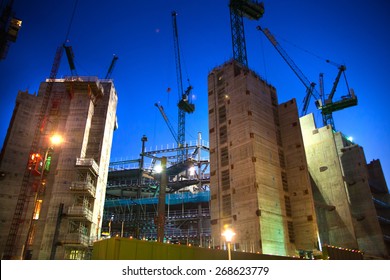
[(76, 255), (30, 238), (37, 209)]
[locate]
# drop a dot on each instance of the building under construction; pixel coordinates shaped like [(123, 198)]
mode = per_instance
[(259, 180), (133, 188), (341, 182), (53, 193), (285, 186)]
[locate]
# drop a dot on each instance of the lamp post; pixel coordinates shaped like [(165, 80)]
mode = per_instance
[(228, 234), (54, 140), (161, 201)]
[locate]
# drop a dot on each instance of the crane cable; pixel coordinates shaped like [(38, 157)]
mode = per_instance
[(305, 50), (320, 58), (71, 21)]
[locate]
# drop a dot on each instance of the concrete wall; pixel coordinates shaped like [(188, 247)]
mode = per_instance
[(329, 189), (83, 112), (244, 194), (376, 177), (367, 229), (254, 151), (14, 159), (381, 197), (296, 180)]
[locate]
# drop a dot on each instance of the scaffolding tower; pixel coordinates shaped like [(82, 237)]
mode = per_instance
[(133, 187)]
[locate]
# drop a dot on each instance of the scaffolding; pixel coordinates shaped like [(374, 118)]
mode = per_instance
[(133, 187)]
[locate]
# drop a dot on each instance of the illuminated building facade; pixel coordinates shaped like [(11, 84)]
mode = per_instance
[(259, 180), (342, 187), (283, 185), (52, 196)]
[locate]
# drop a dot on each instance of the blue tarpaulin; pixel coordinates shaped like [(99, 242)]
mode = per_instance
[(170, 199)]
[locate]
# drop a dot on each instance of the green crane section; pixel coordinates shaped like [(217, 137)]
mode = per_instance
[(327, 105)]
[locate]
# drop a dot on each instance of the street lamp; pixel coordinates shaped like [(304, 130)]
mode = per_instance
[(42, 170), (228, 234), (56, 139)]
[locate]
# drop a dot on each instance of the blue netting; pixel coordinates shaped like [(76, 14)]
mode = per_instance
[(170, 199)]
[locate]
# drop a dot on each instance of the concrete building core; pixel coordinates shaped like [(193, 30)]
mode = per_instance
[(345, 209), (381, 197), (259, 181), (52, 196)]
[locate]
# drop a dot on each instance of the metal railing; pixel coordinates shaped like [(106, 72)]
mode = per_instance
[(149, 216), (88, 162), (77, 238), (83, 186), (80, 211)]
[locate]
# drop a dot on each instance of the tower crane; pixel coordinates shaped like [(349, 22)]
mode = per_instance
[(310, 86), (325, 104), (238, 9), (184, 105)]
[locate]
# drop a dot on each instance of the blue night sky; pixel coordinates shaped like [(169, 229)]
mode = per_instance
[(354, 33)]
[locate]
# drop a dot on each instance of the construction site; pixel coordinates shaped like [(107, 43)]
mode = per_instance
[(282, 185)]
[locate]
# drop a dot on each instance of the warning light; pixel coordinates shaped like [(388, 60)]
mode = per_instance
[(35, 164)]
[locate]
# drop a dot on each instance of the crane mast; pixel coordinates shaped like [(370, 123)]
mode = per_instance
[(238, 9), (328, 106), (327, 118), (341, 68), (184, 105)]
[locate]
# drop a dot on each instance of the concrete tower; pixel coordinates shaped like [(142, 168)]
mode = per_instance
[(52, 196), (345, 209), (329, 190), (259, 181)]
